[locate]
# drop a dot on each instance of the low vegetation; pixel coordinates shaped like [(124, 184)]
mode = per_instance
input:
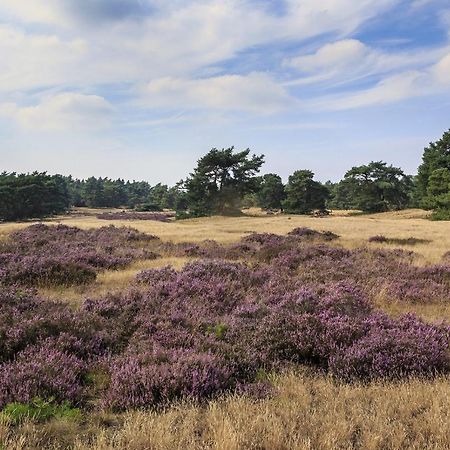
[(233, 321)]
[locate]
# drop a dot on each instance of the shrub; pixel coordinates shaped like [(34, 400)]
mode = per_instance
[(41, 372), (156, 378), (393, 349)]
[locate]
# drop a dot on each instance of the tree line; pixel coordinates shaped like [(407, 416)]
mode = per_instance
[(226, 180)]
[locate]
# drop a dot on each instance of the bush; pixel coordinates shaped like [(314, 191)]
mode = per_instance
[(157, 378), (393, 349), (41, 372), (440, 214)]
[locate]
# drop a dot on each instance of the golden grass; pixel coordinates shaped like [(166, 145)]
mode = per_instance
[(354, 230), (308, 412), (109, 281)]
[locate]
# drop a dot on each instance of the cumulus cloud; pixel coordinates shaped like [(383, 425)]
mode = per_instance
[(62, 112), (83, 44), (30, 61), (252, 93)]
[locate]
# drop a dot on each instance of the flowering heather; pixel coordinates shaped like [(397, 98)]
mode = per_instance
[(304, 232), (217, 324), (41, 372), (44, 255), (159, 217)]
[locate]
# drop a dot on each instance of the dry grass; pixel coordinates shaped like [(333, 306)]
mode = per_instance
[(354, 230), (308, 412), (108, 281)]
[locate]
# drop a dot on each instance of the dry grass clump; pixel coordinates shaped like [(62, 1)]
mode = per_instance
[(308, 412), (112, 281)]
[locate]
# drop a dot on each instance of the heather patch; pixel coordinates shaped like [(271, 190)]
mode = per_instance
[(262, 305)]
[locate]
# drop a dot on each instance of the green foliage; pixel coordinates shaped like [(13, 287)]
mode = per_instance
[(38, 410), (219, 330), (374, 187), (433, 179), (303, 194), (441, 214), (220, 181), (249, 201), (148, 207), (435, 156), (34, 195), (271, 192)]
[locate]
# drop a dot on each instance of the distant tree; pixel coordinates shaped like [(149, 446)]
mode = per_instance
[(93, 192), (249, 201), (137, 193), (32, 195), (113, 193), (271, 192), (158, 196), (177, 197), (377, 187), (75, 188), (304, 194), (220, 180), (433, 177)]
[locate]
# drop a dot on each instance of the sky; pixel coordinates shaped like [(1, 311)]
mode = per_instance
[(140, 89)]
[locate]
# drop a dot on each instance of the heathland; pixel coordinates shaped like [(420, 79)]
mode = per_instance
[(259, 331)]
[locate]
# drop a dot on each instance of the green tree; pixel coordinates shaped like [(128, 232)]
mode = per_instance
[(220, 180), (435, 156), (433, 184), (271, 192), (304, 194), (159, 196), (32, 195), (377, 187)]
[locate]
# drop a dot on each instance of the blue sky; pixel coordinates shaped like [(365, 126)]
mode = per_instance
[(140, 89)]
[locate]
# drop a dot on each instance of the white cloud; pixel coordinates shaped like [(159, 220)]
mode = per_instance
[(176, 39), (350, 59), (62, 112), (33, 60), (334, 55), (255, 93), (173, 45), (432, 80)]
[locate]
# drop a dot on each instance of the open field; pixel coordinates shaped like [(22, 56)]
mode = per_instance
[(354, 230), (308, 409)]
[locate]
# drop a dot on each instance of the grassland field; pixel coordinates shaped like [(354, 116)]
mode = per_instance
[(310, 410)]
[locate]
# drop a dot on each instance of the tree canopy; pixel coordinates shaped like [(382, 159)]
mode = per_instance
[(32, 195), (433, 177), (271, 192), (220, 180), (303, 194), (375, 187)]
